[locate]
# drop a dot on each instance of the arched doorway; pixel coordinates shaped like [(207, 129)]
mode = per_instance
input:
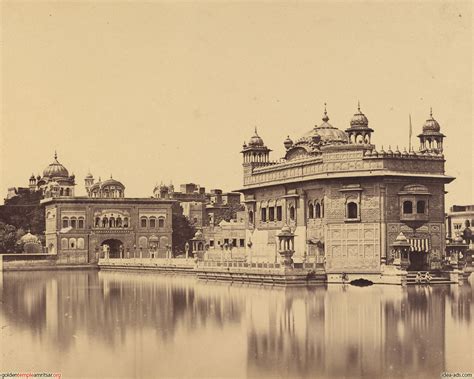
[(115, 247)]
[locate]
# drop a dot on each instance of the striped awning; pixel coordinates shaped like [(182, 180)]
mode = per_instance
[(419, 244)]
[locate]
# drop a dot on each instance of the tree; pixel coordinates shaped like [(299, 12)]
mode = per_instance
[(229, 212), (24, 211), (183, 230), (10, 238)]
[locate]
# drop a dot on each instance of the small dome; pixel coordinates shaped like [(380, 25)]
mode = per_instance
[(256, 140), (285, 229), (89, 176), (55, 169), (198, 235), (288, 142), (285, 232), (359, 119), (401, 238), (29, 238), (431, 125), (112, 181)]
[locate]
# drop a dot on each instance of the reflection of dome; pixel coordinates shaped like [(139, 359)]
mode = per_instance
[(256, 140), (55, 169), (29, 238), (431, 125), (359, 119)]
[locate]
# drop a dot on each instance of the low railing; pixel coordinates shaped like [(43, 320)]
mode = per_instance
[(148, 262)]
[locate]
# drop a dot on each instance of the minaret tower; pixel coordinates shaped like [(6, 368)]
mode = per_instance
[(431, 139), (255, 151), (89, 181), (359, 132), (32, 184)]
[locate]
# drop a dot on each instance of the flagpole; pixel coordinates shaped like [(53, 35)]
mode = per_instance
[(409, 133)]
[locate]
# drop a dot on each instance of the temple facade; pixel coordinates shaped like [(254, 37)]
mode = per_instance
[(345, 200), (79, 230)]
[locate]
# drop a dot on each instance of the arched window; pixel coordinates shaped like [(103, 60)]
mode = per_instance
[(251, 217), (322, 208), (118, 223), (97, 222), (61, 192), (112, 222), (407, 207), (279, 213), (161, 222), (352, 212), (317, 210), (72, 243), (420, 206), (143, 222), (152, 222), (163, 241), (64, 243), (73, 222), (264, 214), (310, 210), (80, 223), (292, 213), (65, 222), (80, 243), (105, 222), (125, 222), (271, 213), (67, 192), (143, 242)]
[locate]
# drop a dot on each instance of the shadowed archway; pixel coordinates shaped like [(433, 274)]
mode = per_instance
[(114, 245)]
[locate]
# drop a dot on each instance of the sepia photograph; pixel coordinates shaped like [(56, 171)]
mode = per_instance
[(236, 189)]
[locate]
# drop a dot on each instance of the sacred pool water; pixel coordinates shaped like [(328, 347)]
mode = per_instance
[(116, 324)]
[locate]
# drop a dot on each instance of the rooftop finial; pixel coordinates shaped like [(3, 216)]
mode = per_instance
[(55, 155), (256, 131), (110, 176), (431, 112), (325, 117), (358, 105)]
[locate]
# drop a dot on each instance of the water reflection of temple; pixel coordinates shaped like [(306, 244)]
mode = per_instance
[(240, 330), (370, 332)]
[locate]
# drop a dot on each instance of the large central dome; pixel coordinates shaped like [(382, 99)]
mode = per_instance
[(326, 133), (55, 169)]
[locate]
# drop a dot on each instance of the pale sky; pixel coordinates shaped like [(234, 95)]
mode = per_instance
[(168, 91)]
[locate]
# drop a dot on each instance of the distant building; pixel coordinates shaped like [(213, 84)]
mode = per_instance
[(458, 218), (55, 182), (345, 200), (200, 207)]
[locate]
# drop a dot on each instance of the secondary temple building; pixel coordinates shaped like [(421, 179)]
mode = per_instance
[(346, 201), (81, 229)]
